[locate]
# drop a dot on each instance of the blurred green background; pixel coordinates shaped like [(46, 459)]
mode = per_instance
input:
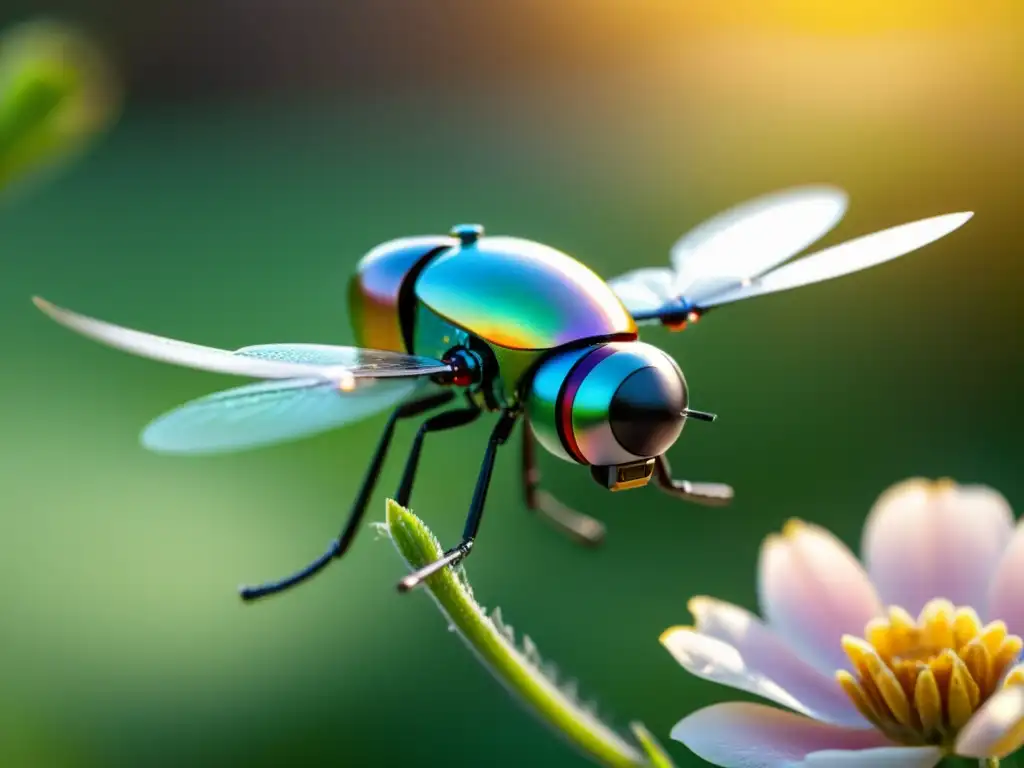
[(265, 147)]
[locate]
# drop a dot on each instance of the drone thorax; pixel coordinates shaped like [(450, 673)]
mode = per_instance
[(520, 295)]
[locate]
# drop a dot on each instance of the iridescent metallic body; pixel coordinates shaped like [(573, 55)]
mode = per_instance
[(574, 394), (433, 294), (595, 420), (542, 403), (375, 289), (519, 294), (527, 312)]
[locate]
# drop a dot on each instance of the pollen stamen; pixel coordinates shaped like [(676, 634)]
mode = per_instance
[(920, 681)]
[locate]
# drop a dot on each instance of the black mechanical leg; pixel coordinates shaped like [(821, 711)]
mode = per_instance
[(708, 494), (438, 423), (499, 436), (580, 527), (339, 546)]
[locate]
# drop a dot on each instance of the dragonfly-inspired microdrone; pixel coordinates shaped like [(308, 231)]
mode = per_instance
[(519, 329)]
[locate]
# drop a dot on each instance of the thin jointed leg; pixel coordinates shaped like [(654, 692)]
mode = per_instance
[(499, 436), (438, 423), (708, 494), (581, 528), (339, 546)]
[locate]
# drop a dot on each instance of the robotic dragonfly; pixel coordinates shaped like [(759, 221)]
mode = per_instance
[(519, 329)]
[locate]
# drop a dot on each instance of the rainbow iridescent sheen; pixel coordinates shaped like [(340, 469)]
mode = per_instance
[(543, 397), (591, 404), (570, 403), (373, 289), (520, 294)]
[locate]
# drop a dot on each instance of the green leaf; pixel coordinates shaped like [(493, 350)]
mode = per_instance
[(57, 93), (518, 668)]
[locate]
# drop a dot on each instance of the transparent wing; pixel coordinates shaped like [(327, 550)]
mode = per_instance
[(270, 412), (362, 363), (749, 239), (851, 256), (261, 362), (645, 290), (734, 246)]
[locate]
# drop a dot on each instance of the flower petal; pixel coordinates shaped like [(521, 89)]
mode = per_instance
[(719, 662), (1005, 598), (1014, 675), (882, 757), (742, 735), (813, 591), (926, 540), (997, 729), (733, 647)]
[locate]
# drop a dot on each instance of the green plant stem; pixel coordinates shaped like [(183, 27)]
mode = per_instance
[(519, 670)]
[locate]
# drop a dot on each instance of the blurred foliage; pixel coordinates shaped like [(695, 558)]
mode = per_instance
[(58, 91)]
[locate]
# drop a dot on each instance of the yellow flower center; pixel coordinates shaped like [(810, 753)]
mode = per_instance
[(920, 681)]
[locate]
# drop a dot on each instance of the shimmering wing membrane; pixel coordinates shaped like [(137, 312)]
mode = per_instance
[(848, 257), (268, 361), (645, 290), (738, 244), (360, 363), (749, 239), (172, 351), (270, 412), (314, 387), (737, 254)]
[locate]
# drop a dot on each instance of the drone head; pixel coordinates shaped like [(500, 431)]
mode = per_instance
[(611, 406)]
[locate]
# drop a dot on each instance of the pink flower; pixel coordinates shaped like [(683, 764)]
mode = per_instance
[(867, 683)]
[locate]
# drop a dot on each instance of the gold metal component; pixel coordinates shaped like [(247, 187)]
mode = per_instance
[(920, 681), (622, 477)]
